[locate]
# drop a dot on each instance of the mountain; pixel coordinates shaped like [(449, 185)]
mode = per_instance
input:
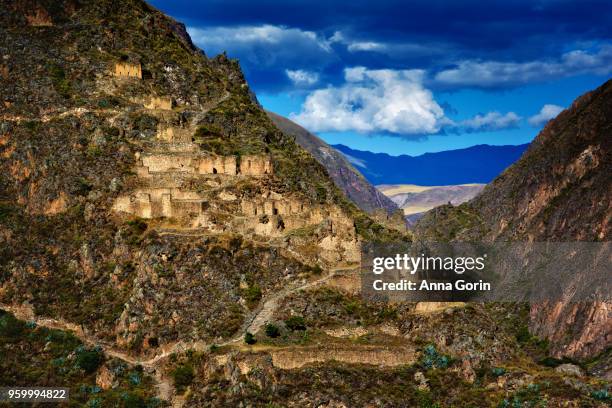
[(163, 243), (476, 164), (558, 191), (418, 199), (354, 185)]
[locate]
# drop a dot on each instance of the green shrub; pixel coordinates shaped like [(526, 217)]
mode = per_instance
[(498, 371), (249, 338), (601, 395), (253, 294), (272, 330), (433, 359), (206, 131), (295, 323), (89, 360), (132, 400), (183, 376), (10, 327), (522, 335)]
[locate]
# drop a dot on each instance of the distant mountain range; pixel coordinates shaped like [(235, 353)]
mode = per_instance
[(476, 164)]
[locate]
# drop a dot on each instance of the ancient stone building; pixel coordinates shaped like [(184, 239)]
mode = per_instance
[(218, 165), (39, 18), (185, 187), (126, 70), (161, 202), (255, 165)]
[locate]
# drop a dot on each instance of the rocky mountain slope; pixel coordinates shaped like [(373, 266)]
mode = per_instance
[(559, 190), (163, 243), (138, 174)]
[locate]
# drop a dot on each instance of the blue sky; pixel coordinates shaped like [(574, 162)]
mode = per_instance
[(410, 77)]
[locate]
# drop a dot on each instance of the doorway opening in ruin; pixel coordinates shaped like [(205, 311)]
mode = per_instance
[(275, 211)]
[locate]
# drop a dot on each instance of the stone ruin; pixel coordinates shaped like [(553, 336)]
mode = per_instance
[(255, 165), (159, 102), (127, 70), (195, 163), (173, 159), (161, 202), (173, 134), (289, 213), (39, 18)]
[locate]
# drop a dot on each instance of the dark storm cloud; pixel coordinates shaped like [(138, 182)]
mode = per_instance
[(271, 37)]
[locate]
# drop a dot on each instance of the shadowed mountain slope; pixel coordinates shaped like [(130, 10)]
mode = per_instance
[(351, 181), (559, 190)]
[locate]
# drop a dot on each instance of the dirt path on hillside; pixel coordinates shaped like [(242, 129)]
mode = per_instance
[(253, 324)]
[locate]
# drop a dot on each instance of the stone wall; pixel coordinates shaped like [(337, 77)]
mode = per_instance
[(372, 355), (296, 214), (124, 69), (173, 134), (161, 102), (218, 165), (189, 162), (255, 165), (161, 202), (161, 163)]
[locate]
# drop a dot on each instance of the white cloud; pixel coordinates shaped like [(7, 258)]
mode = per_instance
[(382, 100), (264, 44), (494, 73), (365, 46), (547, 113), (388, 48), (301, 77), (490, 121)]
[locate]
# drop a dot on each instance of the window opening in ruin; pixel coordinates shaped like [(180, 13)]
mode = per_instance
[(214, 170)]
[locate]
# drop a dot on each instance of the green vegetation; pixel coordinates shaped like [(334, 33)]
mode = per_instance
[(272, 330), (135, 230), (10, 327), (54, 358), (294, 323), (89, 359), (183, 376), (253, 294), (249, 338), (60, 82), (431, 358)]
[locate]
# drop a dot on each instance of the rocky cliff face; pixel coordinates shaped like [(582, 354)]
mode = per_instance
[(559, 190)]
